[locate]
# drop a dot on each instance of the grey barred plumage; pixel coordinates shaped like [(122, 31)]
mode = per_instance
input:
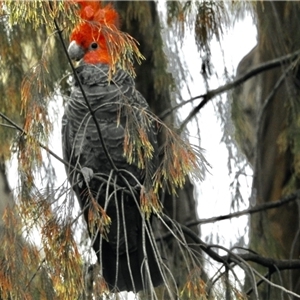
[(118, 108)]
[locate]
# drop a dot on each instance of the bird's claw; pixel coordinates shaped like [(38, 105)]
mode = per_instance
[(85, 176)]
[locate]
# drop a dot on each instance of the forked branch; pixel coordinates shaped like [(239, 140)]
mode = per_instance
[(275, 63)]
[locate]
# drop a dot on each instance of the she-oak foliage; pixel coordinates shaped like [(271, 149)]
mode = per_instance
[(32, 74)]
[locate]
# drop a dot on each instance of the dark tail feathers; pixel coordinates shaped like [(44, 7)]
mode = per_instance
[(131, 268)]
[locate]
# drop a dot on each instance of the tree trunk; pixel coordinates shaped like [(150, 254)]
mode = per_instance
[(5, 192), (274, 137), (140, 19)]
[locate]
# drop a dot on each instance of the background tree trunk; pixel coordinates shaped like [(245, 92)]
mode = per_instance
[(5, 192), (141, 20), (270, 103)]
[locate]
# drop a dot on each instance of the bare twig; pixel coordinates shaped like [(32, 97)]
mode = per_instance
[(241, 79), (273, 265), (67, 164), (262, 207), (23, 132)]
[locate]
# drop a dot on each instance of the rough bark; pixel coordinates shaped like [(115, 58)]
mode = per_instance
[(268, 135), (5, 192)]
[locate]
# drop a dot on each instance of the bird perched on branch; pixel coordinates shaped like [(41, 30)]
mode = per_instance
[(109, 140)]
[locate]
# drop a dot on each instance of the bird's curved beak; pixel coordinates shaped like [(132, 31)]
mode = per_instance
[(75, 51)]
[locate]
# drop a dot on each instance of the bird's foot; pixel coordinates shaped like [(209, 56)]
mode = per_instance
[(85, 176)]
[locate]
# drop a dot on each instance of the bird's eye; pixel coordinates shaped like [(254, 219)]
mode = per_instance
[(94, 45)]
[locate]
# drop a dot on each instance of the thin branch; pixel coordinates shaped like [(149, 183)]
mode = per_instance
[(272, 264), (23, 132), (203, 246), (35, 274), (258, 283), (277, 62), (262, 207), (7, 126), (272, 284)]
